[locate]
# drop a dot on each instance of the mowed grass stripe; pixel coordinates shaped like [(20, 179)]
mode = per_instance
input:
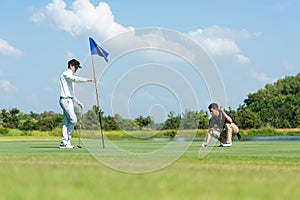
[(239, 149), (247, 170)]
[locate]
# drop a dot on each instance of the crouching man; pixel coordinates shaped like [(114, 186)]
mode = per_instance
[(221, 126)]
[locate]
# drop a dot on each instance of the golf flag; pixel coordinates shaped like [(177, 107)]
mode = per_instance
[(96, 49)]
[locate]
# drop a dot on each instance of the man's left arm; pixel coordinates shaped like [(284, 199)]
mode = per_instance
[(78, 102), (227, 117)]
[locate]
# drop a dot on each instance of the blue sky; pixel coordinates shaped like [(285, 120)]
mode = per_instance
[(251, 44)]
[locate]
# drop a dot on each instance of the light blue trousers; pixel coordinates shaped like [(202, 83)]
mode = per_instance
[(70, 119)]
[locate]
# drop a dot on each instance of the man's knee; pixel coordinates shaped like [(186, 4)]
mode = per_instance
[(228, 126), (215, 133), (73, 120), (222, 138)]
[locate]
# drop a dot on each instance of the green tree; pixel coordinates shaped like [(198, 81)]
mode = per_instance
[(124, 124), (277, 104), (173, 122), (297, 118), (203, 121), (46, 124), (10, 119), (194, 119), (141, 121), (29, 125), (109, 123), (90, 120), (247, 119)]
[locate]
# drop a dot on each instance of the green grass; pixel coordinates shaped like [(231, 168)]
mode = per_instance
[(120, 134), (37, 169)]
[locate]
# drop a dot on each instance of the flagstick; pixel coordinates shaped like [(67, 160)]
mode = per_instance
[(98, 103)]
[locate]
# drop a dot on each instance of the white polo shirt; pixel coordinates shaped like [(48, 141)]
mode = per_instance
[(66, 82)]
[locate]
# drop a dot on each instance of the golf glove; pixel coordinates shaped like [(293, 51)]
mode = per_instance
[(80, 104)]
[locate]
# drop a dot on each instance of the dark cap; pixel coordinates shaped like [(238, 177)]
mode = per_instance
[(75, 63)]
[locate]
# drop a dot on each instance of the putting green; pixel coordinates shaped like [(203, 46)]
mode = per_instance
[(38, 169)]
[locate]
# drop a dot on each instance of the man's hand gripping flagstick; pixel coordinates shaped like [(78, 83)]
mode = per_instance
[(96, 49)]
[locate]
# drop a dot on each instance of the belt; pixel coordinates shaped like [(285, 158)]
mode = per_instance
[(65, 97)]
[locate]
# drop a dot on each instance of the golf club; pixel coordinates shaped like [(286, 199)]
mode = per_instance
[(79, 130)]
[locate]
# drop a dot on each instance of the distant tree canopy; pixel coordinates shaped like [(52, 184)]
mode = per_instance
[(195, 120), (277, 105), (45, 121)]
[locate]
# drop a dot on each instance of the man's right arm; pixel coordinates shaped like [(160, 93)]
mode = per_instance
[(73, 78)]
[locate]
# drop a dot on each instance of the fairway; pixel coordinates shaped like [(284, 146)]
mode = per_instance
[(38, 169)]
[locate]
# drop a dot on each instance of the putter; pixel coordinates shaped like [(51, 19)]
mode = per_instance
[(79, 130)]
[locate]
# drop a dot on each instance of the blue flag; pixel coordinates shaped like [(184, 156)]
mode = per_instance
[(96, 49)]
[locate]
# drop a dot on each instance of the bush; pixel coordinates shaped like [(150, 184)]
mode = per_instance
[(16, 132), (170, 133), (263, 132), (4, 131), (57, 132), (201, 133)]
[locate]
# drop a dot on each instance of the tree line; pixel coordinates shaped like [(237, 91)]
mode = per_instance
[(47, 121), (276, 105), (188, 120)]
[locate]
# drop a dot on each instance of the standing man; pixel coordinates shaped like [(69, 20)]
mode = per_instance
[(221, 126), (67, 97)]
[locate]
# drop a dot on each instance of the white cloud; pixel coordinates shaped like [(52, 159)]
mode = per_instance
[(6, 86), (7, 50), (82, 18), (262, 77), (220, 32), (219, 46), (289, 67), (69, 55), (281, 6), (242, 59), (220, 41)]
